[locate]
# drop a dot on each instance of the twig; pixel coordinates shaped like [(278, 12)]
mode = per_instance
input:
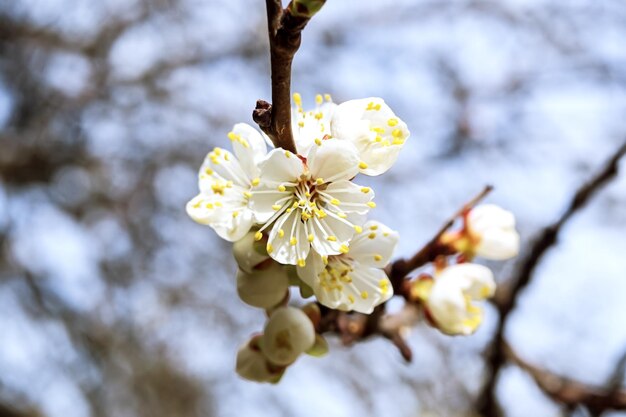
[(506, 299), (285, 34), (399, 269), (567, 391)]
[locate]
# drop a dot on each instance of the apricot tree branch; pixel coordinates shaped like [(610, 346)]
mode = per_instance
[(285, 34), (506, 298), (569, 392), (400, 268)]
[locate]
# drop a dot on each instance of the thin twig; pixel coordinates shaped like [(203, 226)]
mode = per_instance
[(402, 267), (506, 299), (285, 35)]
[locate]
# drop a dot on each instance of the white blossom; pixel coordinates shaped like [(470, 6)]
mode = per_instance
[(374, 129), (354, 280), (310, 202), (288, 333), (451, 298), (263, 288), (493, 231), (225, 181)]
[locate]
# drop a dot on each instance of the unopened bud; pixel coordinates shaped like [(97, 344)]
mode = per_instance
[(288, 333), (246, 253), (253, 366), (263, 288), (305, 8), (493, 228)]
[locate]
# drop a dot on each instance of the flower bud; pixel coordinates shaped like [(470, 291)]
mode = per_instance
[(288, 333), (263, 288), (450, 302), (253, 366), (493, 230), (246, 253), (306, 8)]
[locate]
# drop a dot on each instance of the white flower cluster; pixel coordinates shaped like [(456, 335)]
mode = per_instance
[(449, 296), (305, 208), (301, 220)]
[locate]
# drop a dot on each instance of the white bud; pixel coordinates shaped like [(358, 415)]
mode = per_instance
[(288, 333), (494, 230), (263, 288), (451, 297), (245, 253), (253, 366)]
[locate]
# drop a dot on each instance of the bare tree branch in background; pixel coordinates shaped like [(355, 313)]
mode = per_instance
[(508, 294)]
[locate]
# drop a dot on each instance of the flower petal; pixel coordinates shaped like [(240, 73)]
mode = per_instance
[(227, 214), (499, 245), (221, 166), (375, 245), (333, 160), (330, 235), (280, 167), (249, 147), (310, 125), (287, 243), (264, 202), (347, 197)]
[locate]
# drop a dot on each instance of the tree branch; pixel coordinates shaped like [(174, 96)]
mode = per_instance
[(506, 298), (285, 34), (398, 270), (567, 391)]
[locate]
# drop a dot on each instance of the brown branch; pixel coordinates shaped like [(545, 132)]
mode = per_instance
[(285, 35), (399, 269), (567, 391), (506, 298)]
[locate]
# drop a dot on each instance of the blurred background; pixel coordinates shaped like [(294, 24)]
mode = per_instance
[(114, 303)]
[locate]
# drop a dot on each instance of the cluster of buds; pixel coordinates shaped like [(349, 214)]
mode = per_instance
[(289, 332), (448, 296)]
